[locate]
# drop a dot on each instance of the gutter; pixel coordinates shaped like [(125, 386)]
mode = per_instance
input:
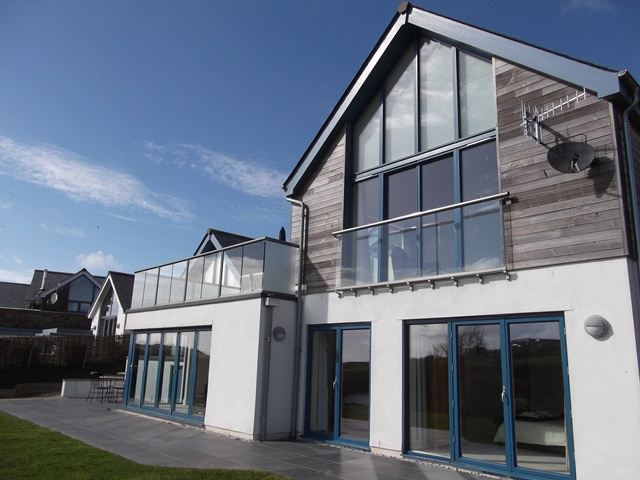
[(299, 331)]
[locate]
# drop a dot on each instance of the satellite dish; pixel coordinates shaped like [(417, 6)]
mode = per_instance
[(571, 157), (54, 297)]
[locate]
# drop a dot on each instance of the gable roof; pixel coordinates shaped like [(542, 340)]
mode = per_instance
[(97, 281), (13, 295), (52, 281), (605, 82), (122, 284), (216, 239)]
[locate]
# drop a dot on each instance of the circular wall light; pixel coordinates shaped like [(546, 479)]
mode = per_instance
[(279, 334), (596, 326)]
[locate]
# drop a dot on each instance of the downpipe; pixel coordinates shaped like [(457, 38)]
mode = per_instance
[(297, 351), (632, 170)]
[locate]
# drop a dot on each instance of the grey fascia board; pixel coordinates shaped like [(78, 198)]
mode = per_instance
[(336, 119), (604, 83)]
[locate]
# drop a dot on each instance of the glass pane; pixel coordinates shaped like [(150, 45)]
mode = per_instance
[(138, 289), (360, 255), (402, 248), (153, 357), (354, 385), (400, 108), (436, 95), (137, 369), (182, 374), (252, 267), (538, 397), (211, 279), (477, 98), (366, 137), (81, 290), (201, 386), (167, 373), (279, 268), (194, 279), (164, 285), (367, 204), (479, 390), (429, 389), (321, 382), (481, 223), (150, 285), (178, 282), (231, 271)]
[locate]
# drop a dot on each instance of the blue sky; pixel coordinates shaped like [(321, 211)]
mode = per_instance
[(128, 128)]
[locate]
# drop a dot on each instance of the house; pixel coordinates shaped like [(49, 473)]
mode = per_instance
[(469, 236), (108, 311), (62, 292)]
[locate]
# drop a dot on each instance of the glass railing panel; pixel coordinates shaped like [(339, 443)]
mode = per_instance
[(150, 287), (402, 250), (439, 244), (178, 282), (360, 253), (231, 271), (138, 289), (252, 267), (211, 276), (279, 268), (482, 236), (195, 273), (164, 285)]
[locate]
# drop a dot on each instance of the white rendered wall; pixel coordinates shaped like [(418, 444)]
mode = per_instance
[(603, 375), (95, 319)]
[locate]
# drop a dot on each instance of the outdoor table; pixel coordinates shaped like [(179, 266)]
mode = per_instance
[(114, 386)]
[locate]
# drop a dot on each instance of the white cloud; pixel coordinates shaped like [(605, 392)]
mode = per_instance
[(588, 5), (247, 176), (79, 179), (60, 230), (96, 262), (16, 276), (123, 217), (17, 259)]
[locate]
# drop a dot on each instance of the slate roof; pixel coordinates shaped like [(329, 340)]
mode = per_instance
[(123, 285), (52, 280), (13, 295), (215, 239)]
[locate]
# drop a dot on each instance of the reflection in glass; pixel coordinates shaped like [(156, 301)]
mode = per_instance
[(253, 257), (322, 382), (436, 95), (231, 271), (150, 285), (429, 389), (194, 279), (182, 374), (201, 385), (164, 285), (211, 277), (479, 390), (178, 282), (138, 289), (477, 98), (482, 223), (137, 369), (166, 374), (153, 358), (366, 137), (538, 397), (399, 108), (354, 385), (402, 248)]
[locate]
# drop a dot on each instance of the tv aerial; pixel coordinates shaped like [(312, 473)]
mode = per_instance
[(571, 157), (532, 116)]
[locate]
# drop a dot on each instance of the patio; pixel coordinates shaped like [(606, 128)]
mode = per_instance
[(154, 442)]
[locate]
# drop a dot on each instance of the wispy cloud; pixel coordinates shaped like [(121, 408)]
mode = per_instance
[(245, 175), (97, 262), (61, 230), (17, 259), (5, 205), (83, 181), (124, 217), (16, 276), (588, 5)]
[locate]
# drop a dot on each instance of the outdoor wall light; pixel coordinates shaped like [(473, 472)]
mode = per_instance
[(596, 326), (279, 333)]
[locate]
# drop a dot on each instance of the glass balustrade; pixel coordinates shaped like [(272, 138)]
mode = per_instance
[(450, 241), (260, 265)]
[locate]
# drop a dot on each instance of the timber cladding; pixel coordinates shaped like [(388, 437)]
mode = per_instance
[(324, 195), (556, 217)]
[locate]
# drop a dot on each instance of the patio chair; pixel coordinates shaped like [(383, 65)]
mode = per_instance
[(97, 390)]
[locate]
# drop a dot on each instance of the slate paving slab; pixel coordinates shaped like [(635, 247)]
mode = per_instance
[(155, 442)]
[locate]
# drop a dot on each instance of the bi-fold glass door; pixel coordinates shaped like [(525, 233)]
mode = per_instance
[(491, 393), (338, 384), (168, 372)]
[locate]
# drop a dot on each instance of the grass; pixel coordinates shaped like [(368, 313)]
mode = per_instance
[(28, 451)]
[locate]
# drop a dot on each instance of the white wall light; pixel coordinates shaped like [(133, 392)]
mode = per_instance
[(596, 326)]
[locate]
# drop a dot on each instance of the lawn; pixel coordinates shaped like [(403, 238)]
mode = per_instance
[(35, 453)]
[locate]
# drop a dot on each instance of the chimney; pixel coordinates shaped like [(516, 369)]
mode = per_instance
[(44, 277)]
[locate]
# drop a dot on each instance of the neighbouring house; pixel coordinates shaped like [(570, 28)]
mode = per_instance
[(469, 227), (63, 292), (108, 312)]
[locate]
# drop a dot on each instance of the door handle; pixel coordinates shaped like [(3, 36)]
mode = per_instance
[(503, 395), (334, 384)]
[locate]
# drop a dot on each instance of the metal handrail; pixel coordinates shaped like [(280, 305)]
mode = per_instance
[(431, 211)]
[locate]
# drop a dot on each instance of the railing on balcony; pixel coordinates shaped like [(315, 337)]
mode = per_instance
[(463, 237), (259, 265)]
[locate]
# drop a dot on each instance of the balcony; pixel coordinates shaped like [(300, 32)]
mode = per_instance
[(261, 265), (462, 239)]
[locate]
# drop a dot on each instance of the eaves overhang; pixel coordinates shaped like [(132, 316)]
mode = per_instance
[(602, 81)]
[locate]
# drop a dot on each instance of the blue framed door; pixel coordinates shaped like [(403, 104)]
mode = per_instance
[(338, 384)]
